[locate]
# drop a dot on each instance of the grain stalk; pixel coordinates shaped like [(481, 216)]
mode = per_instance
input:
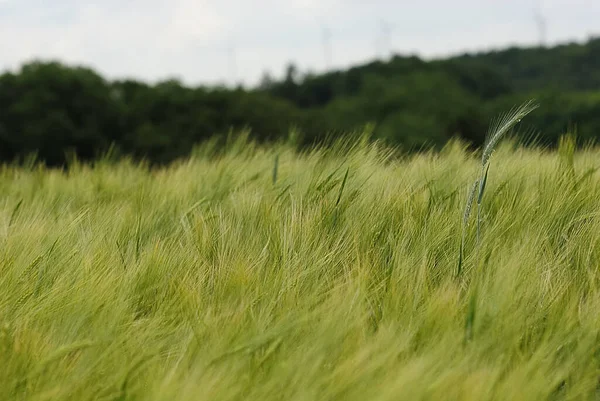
[(466, 215), (498, 129)]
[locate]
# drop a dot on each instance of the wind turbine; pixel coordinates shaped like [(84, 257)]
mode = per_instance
[(232, 62), (327, 48), (385, 38), (540, 21)]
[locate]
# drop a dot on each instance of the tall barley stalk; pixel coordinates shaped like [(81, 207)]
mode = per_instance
[(466, 215), (498, 129)]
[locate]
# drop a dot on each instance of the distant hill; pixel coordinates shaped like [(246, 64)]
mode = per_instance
[(567, 67), (51, 109), (415, 102)]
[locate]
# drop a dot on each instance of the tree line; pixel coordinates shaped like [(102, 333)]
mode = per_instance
[(51, 109)]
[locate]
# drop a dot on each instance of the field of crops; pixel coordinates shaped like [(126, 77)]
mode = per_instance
[(268, 274)]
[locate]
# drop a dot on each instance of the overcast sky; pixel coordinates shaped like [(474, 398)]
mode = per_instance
[(210, 41)]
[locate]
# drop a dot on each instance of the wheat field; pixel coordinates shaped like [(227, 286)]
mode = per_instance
[(263, 273)]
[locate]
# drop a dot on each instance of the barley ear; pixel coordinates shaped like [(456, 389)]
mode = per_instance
[(275, 168), (339, 198), (470, 317), (502, 125)]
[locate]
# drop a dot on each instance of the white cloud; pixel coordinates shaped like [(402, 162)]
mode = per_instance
[(192, 21), (155, 39)]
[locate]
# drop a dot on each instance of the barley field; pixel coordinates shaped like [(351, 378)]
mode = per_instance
[(263, 273)]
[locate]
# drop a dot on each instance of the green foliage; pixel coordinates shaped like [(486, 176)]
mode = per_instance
[(204, 281), (567, 67), (48, 108), (420, 104), (53, 111)]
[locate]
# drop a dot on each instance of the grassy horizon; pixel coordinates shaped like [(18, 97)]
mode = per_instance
[(266, 274)]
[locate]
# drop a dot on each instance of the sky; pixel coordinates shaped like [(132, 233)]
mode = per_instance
[(208, 42)]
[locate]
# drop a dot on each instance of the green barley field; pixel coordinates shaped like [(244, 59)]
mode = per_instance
[(264, 273)]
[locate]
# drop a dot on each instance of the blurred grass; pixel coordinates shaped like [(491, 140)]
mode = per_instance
[(212, 280)]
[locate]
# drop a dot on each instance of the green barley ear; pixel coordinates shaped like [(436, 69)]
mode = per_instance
[(14, 212), (498, 129), (566, 151), (470, 318), (275, 168), (339, 198), (502, 125)]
